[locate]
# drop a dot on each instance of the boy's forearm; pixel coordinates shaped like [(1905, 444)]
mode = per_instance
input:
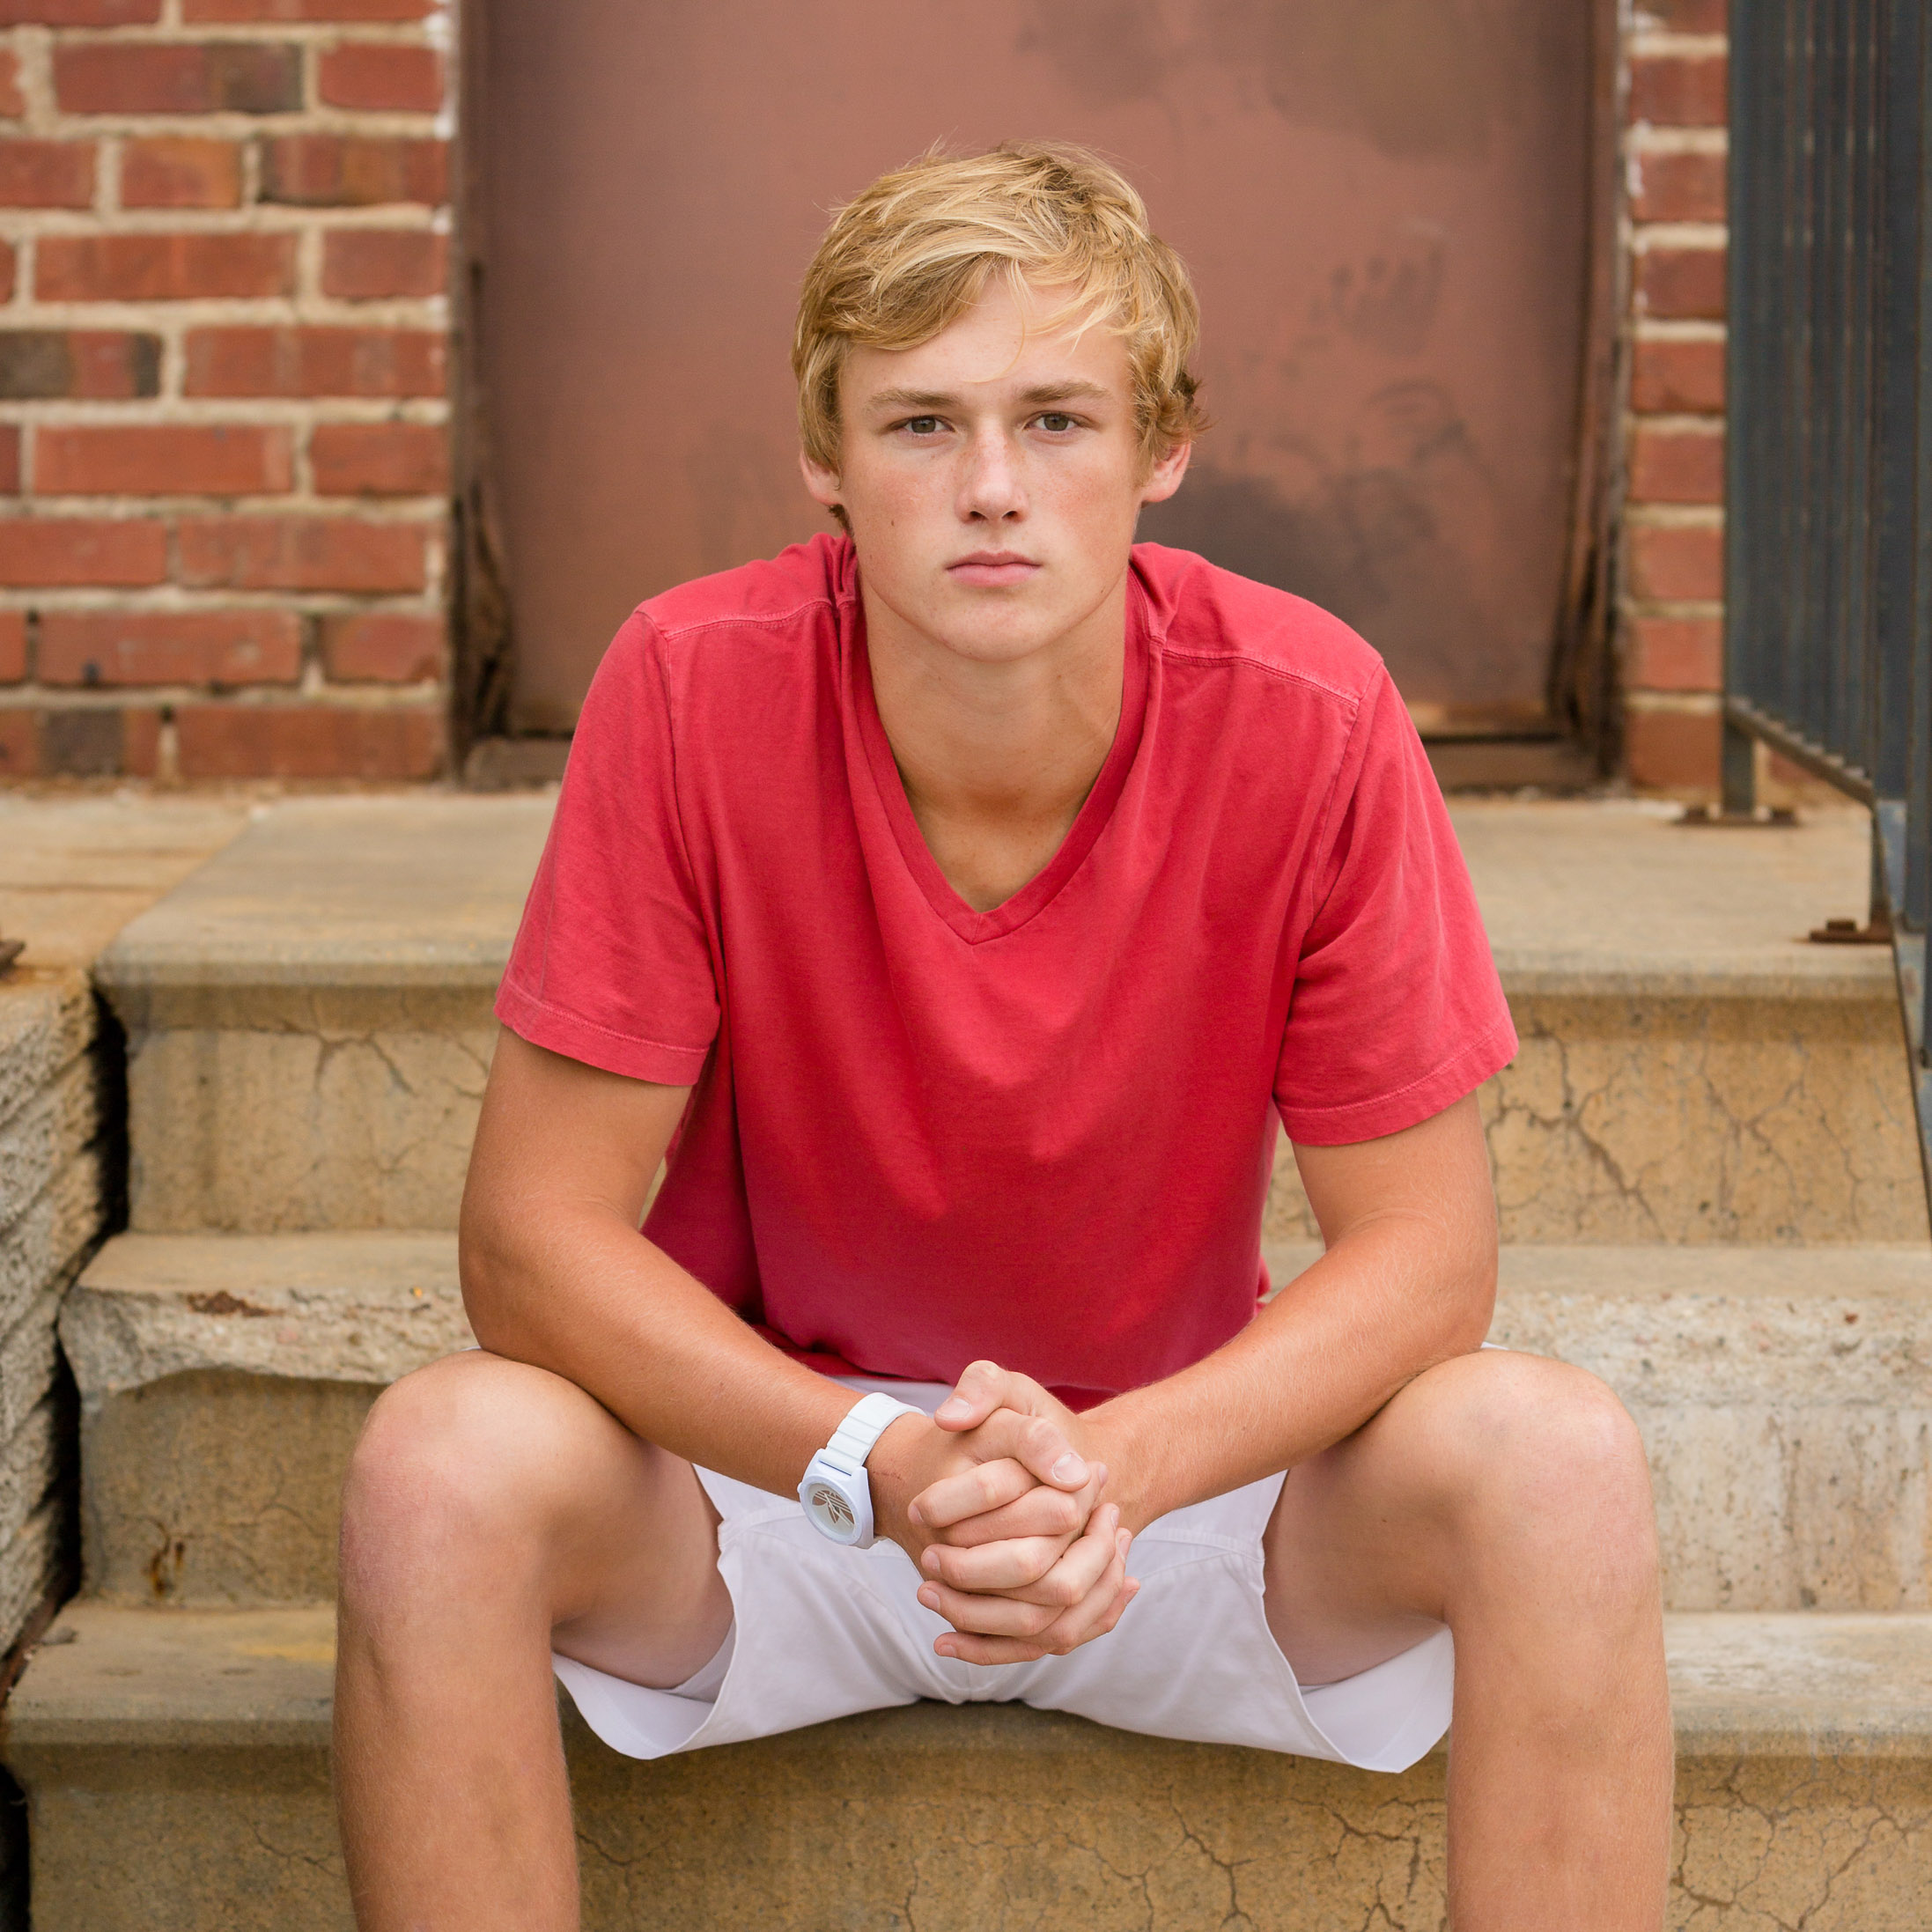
[(1380, 1307), (578, 1291), (581, 1293)]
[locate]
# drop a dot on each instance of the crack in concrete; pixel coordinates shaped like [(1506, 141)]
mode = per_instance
[(586, 1838), (389, 1059), (1229, 1868), (328, 1862), (1815, 1801), (1616, 1122)]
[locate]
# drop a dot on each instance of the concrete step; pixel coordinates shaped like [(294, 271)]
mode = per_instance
[(224, 1378), (1785, 1394), (176, 1767), (308, 1025), (1692, 1069), (308, 1016)]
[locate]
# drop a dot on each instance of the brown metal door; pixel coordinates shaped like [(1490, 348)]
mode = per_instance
[(1385, 203)]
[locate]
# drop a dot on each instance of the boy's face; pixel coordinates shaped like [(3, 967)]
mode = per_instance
[(993, 477)]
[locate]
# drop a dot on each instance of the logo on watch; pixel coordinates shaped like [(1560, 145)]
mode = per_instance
[(833, 1506)]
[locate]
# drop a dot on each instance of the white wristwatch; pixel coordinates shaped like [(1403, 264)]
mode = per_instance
[(837, 1491)]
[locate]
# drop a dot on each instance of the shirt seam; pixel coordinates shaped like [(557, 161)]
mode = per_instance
[(663, 674), (1352, 699), (1421, 1080), (558, 1012), (549, 923), (667, 631), (1321, 846)]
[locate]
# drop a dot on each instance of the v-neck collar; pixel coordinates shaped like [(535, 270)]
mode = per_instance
[(1039, 891)]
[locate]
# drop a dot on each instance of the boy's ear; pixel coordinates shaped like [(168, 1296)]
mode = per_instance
[(1164, 477), (823, 484)]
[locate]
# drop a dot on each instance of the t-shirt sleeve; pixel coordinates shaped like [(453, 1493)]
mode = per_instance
[(612, 963), (1397, 1011)]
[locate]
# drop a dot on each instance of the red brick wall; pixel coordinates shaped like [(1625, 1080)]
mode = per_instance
[(224, 347), (1671, 609)]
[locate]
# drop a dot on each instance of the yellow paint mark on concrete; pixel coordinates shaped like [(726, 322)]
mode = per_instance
[(316, 1652)]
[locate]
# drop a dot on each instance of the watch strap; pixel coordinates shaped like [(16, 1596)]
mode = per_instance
[(866, 1421)]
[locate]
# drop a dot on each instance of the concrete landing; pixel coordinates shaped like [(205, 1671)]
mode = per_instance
[(74, 871), (1617, 897), (176, 1767), (417, 890), (1579, 897)]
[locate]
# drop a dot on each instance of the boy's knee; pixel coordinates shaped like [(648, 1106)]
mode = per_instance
[(1541, 1457), (456, 1455)]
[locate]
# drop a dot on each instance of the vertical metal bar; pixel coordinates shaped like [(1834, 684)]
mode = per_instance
[(1914, 186), (1798, 352), (1797, 357), (1823, 505), (1768, 239), (1826, 499), (1895, 400), (1796, 385), (1750, 408), (1737, 771), (1852, 722), (1902, 829), (1919, 795)]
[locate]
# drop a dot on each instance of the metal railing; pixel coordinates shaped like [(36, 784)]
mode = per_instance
[(1828, 525)]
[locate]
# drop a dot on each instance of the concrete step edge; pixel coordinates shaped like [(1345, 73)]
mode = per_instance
[(114, 1679), (1810, 1325)]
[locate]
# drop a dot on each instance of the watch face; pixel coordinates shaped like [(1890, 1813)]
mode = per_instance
[(833, 1508)]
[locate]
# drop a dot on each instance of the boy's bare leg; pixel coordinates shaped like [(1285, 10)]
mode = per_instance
[(489, 1505), (1507, 1496)]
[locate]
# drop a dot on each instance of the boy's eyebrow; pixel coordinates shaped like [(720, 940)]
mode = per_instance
[(941, 399), (911, 399), (1066, 391)]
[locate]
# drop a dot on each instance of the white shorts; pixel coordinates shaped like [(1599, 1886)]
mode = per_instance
[(822, 1632)]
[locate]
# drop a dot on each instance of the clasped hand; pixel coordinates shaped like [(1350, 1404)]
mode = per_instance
[(1006, 1518)]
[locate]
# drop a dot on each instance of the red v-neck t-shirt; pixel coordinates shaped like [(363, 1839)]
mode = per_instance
[(920, 1134)]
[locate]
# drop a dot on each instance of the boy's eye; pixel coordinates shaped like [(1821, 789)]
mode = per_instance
[(1054, 421), (924, 426)]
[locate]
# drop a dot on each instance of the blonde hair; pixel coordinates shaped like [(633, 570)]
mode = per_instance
[(916, 250)]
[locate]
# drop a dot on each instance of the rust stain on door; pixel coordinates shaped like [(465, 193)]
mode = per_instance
[(1385, 204)]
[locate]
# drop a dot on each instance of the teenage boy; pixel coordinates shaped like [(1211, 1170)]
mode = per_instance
[(959, 903)]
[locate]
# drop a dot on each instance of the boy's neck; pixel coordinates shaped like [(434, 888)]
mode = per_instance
[(997, 758)]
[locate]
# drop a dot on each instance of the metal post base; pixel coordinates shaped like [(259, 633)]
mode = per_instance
[(1757, 818)]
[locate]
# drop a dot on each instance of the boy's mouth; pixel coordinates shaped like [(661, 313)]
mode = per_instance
[(992, 568)]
